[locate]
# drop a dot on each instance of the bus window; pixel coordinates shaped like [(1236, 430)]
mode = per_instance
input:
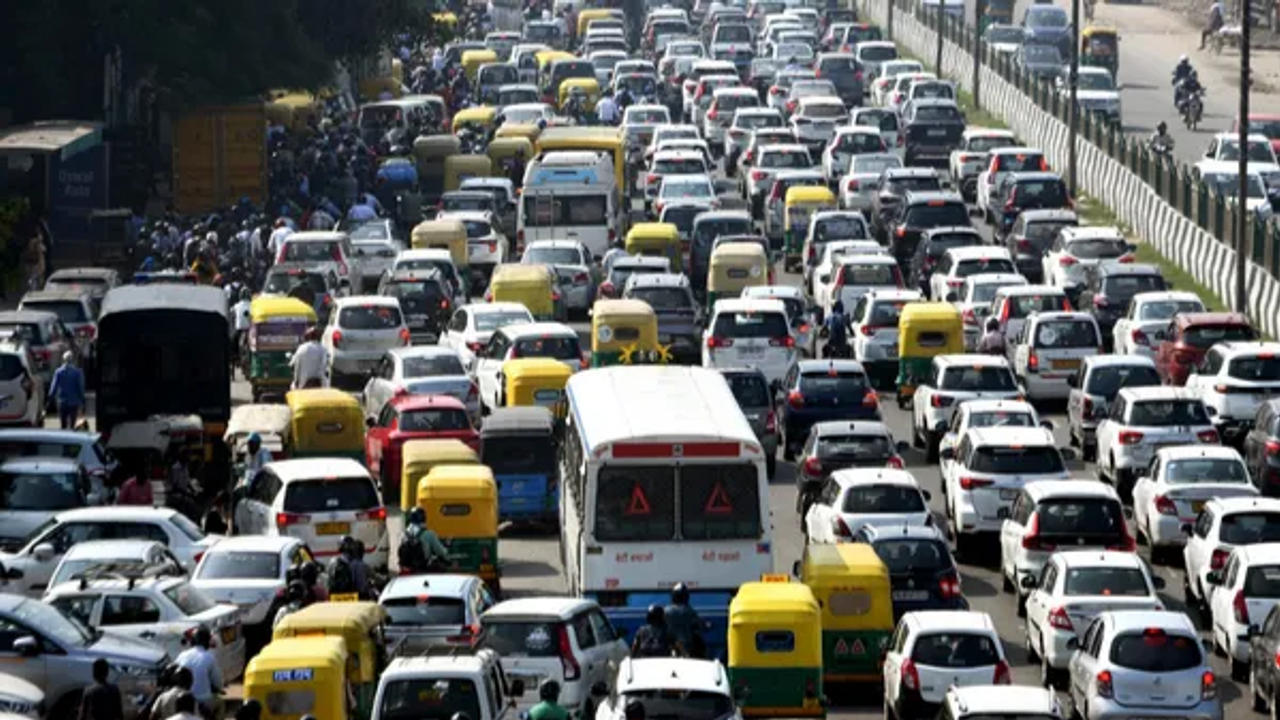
[(635, 503), (719, 502)]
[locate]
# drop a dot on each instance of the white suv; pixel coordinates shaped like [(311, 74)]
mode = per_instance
[(1222, 525), (360, 330), (852, 498), (873, 327), (22, 397), (752, 333), (1076, 250), (1233, 379), (1142, 420), (953, 379), (934, 650), (1139, 331), (986, 472), (993, 701), (670, 687), (1246, 589), (989, 413), (1049, 349)]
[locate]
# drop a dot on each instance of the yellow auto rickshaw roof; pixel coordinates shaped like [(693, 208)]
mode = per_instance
[(442, 144), (478, 55), (447, 226), (664, 230), (512, 134), (458, 482), (773, 598), (545, 56), (924, 312), (590, 84), (1091, 30), (300, 652), (739, 251), (825, 564), (481, 114), (273, 306), (351, 620), (537, 367), (597, 13), (447, 18), (295, 99), (591, 137), (621, 308), (450, 450), (519, 274), (810, 193), (468, 162), (319, 397)]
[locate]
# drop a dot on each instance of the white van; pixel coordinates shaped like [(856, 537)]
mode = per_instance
[(570, 195)]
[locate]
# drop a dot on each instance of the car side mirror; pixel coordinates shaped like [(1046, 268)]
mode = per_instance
[(947, 453), (42, 552), (927, 495), (517, 687), (1213, 577), (1073, 643), (1158, 582), (13, 574), (599, 689), (795, 569), (1047, 425), (951, 297), (27, 646)]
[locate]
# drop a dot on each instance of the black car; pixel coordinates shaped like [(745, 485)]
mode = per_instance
[(1111, 287), (922, 572), (894, 185), (839, 445), (818, 390), (1030, 191), (707, 226), (933, 127), (425, 299), (1264, 648), (933, 243), (1032, 234), (923, 211), (679, 315), (1040, 61), (1262, 448)]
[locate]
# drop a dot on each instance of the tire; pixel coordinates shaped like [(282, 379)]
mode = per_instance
[(931, 446), (1255, 700), (771, 465), (1030, 647), (1240, 671), (1006, 585)]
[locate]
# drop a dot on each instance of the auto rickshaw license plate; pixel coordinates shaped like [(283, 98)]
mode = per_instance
[(909, 595), (333, 528), (1066, 364)]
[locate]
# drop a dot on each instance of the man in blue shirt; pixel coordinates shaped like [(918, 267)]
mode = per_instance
[(68, 389)]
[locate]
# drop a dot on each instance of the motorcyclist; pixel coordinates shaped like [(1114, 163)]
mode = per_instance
[(683, 622), (1161, 142), (1181, 72), (837, 331), (1188, 88), (434, 555), (296, 599), (653, 639), (548, 708)]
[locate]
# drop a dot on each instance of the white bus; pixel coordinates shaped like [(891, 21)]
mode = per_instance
[(663, 481)]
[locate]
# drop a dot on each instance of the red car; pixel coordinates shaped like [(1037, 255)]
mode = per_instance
[(413, 417), (1189, 337), (1266, 123)]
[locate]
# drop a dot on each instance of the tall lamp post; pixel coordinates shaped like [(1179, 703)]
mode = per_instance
[(1242, 210), (941, 25), (1073, 119), (979, 10)]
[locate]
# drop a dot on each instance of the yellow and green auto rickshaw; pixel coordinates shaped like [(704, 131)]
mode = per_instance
[(447, 234), (276, 327), (530, 285), (359, 624), (925, 329), (852, 586), (586, 15), (734, 266), (418, 457), (536, 381), (1100, 46), (461, 504), (588, 88), (775, 649), (479, 118), (625, 332), (429, 153), (296, 676), (801, 203), (472, 60), (656, 239), (461, 167), (326, 423)]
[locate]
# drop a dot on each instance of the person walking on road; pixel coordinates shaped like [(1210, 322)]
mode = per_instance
[(102, 699), (1215, 22), (206, 678), (549, 707), (67, 389)]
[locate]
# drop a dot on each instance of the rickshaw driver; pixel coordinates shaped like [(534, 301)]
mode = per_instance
[(992, 342), (683, 622), (549, 707), (433, 555), (256, 458)]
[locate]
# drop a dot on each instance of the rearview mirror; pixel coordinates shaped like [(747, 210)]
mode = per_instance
[(1047, 425), (1027, 582), (42, 552), (902, 446), (27, 646), (1158, 582), (795, 569)]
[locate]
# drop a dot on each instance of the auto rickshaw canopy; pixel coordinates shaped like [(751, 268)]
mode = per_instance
[(935, 318), (269, 307), (460, 501), (812, 194), (359, 624), (480, 117), (448, 234), (471, 61), (418, 457), (774, 607), (326, 421), (293, 676)]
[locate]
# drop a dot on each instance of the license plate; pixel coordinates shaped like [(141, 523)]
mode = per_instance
[(1066, 364), (1197, 506), (751, 351), (344, 597), (910, 595), (937, 133), (228, 634), (1008, 494), (333, 528)]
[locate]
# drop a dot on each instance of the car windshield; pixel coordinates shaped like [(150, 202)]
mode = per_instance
[(330, 495), (1161, 413), (1000, 418), (977, 378), (827, 111), (520, 455), (425, 609), (1258, 151), (874, 165), (1109, 581), (38, 491), (902, 555), (886, 313), (466, 202), (1248, 528), (1036, 460), (883, 499), (677, 166), (225, 565), (877, 274), (369, 317), (1040, 194), (1067, 334), (1039, 16), (1096, 81), (190, 599), (1021, 306), (65, 629), (664, 298), (682, 704), (431, 365), (1166, 309), (955, 650), (938, 113), (1154, 650), (1189, 471), (687, 189), (645, 117), (979, 266), (429, 699), (1204, 336), (1042, 54), (939, 242), (416, 296), (758, 120), (985, 292), (1107, 380), (987, 143), (750, 390), (490, 321)]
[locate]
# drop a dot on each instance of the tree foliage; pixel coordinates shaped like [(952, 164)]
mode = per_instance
[(200, 51)]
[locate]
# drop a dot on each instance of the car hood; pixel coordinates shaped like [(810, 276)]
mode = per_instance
[(121, 648)]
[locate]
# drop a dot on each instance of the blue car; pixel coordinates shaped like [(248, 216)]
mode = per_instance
[(816, 390), (1047, 25)]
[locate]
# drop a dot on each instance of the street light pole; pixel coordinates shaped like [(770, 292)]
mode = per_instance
[(1242, 210), (888, 26), (1072, 110), (941, 25), (978, 11)]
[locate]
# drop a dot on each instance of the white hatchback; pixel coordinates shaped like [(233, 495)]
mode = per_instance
[(934, 650), (1172, 492), (360, 330), (852, 498)]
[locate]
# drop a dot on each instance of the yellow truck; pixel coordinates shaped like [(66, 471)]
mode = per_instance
[(220, 156)]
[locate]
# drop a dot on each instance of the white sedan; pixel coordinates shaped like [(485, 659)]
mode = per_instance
[(421, 370), (251, 572), (1178, 483), (850, 499), (824, 275)]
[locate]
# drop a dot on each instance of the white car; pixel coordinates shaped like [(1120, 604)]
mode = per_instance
[(952, 379), (934, 650), (987, 701), (326, 250), (814, 120), (823, 277), (974, 302), (1001, 162), (1141, 328), (438, 259), (540, 339), (971, 157), (686, 188), (1013, 304), (319, 501), (165, 611), (671, 687), (42, 550), (1223, 524), (22, 399), (745, 121), (989, 413), (827, 226), (872, 53), (986, 472), (672, 162), (889, 71), (885, 119), (849, 142), (1244, 591), (1169, 496), (957, 263), (769, 161), (1049, 349), (432, 611), (1077, 250), (1096, 91), (361, 328), (852, 498), (1140, 421), (1075, 586), (1049, 514), (1233, 379), (751, 333), (251, 572), (572, 261), (19, 698), (802, 324), (859, 184), (420, 370), (486, 247), (873, 332), (1092, 390), (725, 102), (896, 95), (471, 326), (144, 554), (856, 275)]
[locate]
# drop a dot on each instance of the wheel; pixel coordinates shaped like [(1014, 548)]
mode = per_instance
[(771, 465), (1030, 646), (1240, 671), (931, 446), (1256, 700)]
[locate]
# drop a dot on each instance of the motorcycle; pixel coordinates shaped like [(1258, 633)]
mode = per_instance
[(1193, 109)]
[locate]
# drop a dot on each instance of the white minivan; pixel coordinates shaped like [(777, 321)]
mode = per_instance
[(750, 332)]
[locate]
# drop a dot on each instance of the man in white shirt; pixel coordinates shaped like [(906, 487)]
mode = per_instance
[(206, 678), (278, 236), (310, 362), (607, 110)]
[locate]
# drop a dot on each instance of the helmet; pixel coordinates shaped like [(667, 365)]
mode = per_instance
[(344, 545), (837, 306), (680, 594), (655, 615), (549, 691), (296, 592), (417, 516), (634, 710), (1161, 127), (1182, 59)]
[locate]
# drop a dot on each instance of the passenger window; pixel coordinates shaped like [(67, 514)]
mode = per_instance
[(129, 610), (387, 416), (1095, 647), (141, 531), (1203, 524), (603, 630), (582, 629), (1233, 568), (494, 691), (9, 632), (64, 537)]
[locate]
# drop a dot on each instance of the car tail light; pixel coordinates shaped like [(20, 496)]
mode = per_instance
[(570, 664), (840, 528), (405, 337), (1272, 447), (870, 399), (1102, 685), (1009, 206), (1127, 543), (857, 75), (1101, 301), (771, 422), (852, 185), (606, 288), (1208, 685), (584, 361), (949, 586), (466, 634), (650, 179), (1207, 436), (1219, 558), (336, 338), (284, 519), (1140, 338), (1240, 608), (786, 341), (1129, 437), (714, 342), (376, 515), (1066, 261), (868, 330), (1125, 259), (1024, 245), (757, 175), (1087, 408), (969, 317), (1033, 362), (1165, 505), (972, 483), (195, 560), (1002, 676), (775, 90), (899, 142), (791, 106), (901, 231), (940, 401), (909, 676), (795, 399), (747, 157), (475, 347), (955, 282), (86, 331)]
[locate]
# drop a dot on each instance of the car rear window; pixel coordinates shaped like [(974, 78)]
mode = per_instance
[(886, 314), (68, 311), (1080, 516), (1165, 309), (1155, 650), (978, 377), (1111, 581), (1000, 418), (691, 166), (416, 296), (955, 650), (425, 610), (1097, 248), (664, 298), (847, 386), (1203, 336), (312, 251), (938, 215), (1021, 162), (751, 325), (913, 554), (1168, 412), (750, 390), (190, 599), (882, 274), (942, 242), (490, 321), (430, 366), (840, 228), (33, 332), (240, 564), (561, 347), (521, 638), (467, 202), (1021, 306), (1126, 286), (1207, 470), (1067, 334), (883, 499), (328, 495), (1247, 528), (836, 64), (369, 317), (853, 447), (1107, 381), (1036, 460), (446, 420), (878, 53), (979, 266), (786, 159), (1256, 369), (40, 491)]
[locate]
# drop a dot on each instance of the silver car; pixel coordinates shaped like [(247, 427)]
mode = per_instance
[(572, 263), (426, 611), (772, 160)]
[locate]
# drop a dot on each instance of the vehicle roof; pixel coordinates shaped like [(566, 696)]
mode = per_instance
[(49, 435), (523, 330), (638, 674), (1259, 552), (816, 366), (494, 307), (911, 172), (951, 230), (1002, 700), (1034, 176), (1011, 436), (117, 513), (1209, 318), (366, 300), (83, 272), (876, 533), (39, 464), (915, 197), (867, 259), (749, 305), (312, 468), (1083, 232), (454, 665), (1245, 504), (996, 278), (773, 291), (657, 280), (874, 476), (112, 548), (1016, 150), (853, 427), (950, 620), (444, 584), (1009, 290), (980, 405), (1157, 392), (1037, 317), (1128, 269), (1113, 360), (1122, 621), (410, 402), (60, 292), (641, 261), (1163, 295), (274, 543), (1238, 348), (164, 296), (977, 252), (539, 607), (27, 316), (972, 359), (1041, 489), (1048, 214), (894, 294), (988, 132), (507, 420), (1099, 558)]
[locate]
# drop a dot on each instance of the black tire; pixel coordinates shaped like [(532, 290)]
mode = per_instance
[(771, 465), (1255, 700), (1239, 670), (931, 441), (67, 706)]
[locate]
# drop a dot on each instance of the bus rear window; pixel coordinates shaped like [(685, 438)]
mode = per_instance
[(719, 502), (549, 211), (635, 503)]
